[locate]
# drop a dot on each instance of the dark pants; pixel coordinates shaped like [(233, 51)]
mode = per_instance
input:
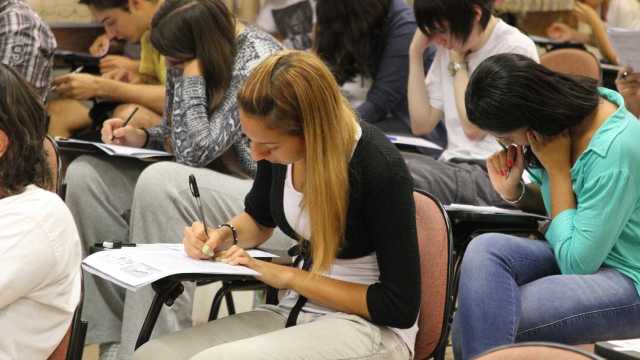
[(453, 182)]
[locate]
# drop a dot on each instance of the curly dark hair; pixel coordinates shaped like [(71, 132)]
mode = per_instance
[(24, 120), (348, 33)]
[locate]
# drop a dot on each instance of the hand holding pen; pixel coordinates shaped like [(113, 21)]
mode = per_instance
[(115, 131), (126, 122), (204, 249), (77, 70)]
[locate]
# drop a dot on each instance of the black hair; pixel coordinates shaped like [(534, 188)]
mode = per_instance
[(202, 29), (347, 34), (106, 4), (507, 92), (456, 16), (23, 119)]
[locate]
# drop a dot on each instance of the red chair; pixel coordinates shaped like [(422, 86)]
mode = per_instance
[(436, 270)]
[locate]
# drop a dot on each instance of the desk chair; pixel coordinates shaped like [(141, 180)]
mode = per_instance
[(467, 224), (536, 351), (55, 164), (436, 266), (72, 345)]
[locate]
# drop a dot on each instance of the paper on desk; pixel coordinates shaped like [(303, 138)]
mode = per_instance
[(491, 210), (627, 45), (134, 267), (414, 141), (117, 150), (626, 345)]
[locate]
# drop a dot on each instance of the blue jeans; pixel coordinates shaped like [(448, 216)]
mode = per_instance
[(511, 290)]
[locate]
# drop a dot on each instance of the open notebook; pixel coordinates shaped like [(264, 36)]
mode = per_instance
[(113, 150), (135, 267)]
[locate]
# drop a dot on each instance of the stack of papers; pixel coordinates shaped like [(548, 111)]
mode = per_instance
[(135, 267), (113, 150)]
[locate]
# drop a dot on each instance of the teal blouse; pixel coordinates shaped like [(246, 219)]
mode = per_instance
[(604, 229)]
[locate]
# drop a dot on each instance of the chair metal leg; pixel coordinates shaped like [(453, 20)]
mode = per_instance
[(231, 308), (217, 301), (166, 293)]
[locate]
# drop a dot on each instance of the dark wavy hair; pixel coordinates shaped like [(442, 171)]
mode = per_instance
[(347, 33), (23, 119), (511, 91), (202, 29), (456, 16)]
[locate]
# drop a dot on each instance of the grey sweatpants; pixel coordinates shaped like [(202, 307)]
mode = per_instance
[(453, 182), (100, 192), (261, 335)]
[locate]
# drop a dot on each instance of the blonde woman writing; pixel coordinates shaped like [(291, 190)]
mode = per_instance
[(325, 177)]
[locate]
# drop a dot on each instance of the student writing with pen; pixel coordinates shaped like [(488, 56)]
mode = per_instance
[(338, 183), (201, 128), (582, 282)]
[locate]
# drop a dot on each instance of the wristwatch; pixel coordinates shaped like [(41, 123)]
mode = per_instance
[(454, 67)]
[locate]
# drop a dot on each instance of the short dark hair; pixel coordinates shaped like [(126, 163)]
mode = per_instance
[(202, 29), (24, 120), (433, 15), (511, 91), (348, 35), (106, 4)]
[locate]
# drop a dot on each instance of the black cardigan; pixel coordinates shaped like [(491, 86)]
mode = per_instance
[(380, 218)]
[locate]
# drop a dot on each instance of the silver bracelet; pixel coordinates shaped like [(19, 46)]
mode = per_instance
[(517, 201)]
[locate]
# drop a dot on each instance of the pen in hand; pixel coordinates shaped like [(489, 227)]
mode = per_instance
[(76, 71), (127, 121), (193, 186)]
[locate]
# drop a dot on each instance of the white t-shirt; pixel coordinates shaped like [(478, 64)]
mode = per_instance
[(624, 14), (40, 278), (503, 39), (293, 19)]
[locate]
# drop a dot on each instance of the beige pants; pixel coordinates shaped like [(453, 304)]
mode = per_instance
[(261, 334)]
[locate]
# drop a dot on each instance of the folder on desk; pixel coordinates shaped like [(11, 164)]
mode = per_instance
[(112, 150)]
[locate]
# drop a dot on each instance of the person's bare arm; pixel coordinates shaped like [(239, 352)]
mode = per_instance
[(424, 117), (150, 96)]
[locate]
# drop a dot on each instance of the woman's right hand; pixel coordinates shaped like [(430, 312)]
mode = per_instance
[(419, 44), (114, 132), (505, 170), (194, 240)]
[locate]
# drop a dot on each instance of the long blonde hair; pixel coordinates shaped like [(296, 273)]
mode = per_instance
[(294, 91)]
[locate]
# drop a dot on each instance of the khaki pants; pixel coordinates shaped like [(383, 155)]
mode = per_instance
[(261, 334)]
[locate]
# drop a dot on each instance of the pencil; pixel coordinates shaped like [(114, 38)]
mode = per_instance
[(128, 119), (130, 116)]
